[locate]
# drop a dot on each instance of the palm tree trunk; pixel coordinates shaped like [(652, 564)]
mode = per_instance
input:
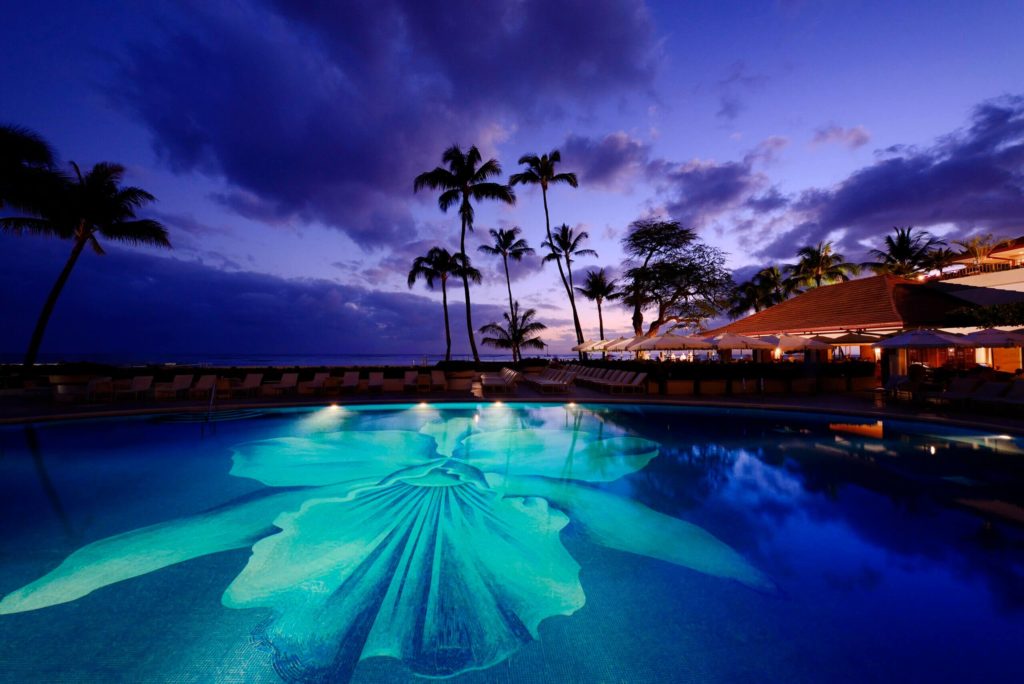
[(465, 287), (558, 262), (447, 327), (600, 318), (572, 303), (51, 300), (511, 308)]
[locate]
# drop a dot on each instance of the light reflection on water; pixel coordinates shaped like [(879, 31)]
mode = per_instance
[(531, 542)]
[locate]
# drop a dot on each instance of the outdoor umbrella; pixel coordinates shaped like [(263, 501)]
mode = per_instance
[(852, 339), (791, 343), (624, 344), (991, 337), (733, 341), (924, 338), (590, 345), (671, 342)]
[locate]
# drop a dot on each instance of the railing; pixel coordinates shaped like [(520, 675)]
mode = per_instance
[(977, 269)]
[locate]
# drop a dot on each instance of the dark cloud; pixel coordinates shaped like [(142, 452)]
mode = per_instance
[(738, 82), (322, 112), (972, 179), (128, 301), (854, 137), (608, 162)]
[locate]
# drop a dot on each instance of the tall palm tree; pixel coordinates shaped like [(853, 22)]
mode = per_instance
[(508, 245), (82, 209), (775, 286), (26, 168), (939, 259), (565, 245), (597, 288), (464, 179), (905, 252), (541, 171), (819, 264), (437, 266), (979, 247), (518, 332)]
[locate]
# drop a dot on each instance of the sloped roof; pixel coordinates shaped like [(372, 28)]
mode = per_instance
[(875, 303)]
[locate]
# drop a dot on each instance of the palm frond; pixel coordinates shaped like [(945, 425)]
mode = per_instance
[(19, 225), (138, 232)]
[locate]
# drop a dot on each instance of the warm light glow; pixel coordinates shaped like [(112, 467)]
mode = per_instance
[(931, 450), (878, 354), (777, 353)]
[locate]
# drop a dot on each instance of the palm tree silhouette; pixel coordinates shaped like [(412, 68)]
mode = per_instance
[(767, 288), (819, 264), (26, 168), (905, 253), (508, 245), (436, 266), (518, 332), (541, 171), (80, 209), (565, 244), (597, 288), (465, 179), (978, 247)]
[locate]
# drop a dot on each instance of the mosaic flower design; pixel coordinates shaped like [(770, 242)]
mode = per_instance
[(438, 547)]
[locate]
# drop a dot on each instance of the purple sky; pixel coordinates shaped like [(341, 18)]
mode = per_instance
[(281, 140)]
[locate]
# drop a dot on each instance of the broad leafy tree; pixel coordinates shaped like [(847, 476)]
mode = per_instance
[(599, 289), (540, 171), (436, 266), (819, 264), (508, 245), (462, 180), (83, 209), (905, 254), (518, 333), (650, 244)]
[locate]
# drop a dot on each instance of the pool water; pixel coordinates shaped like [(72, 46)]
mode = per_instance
[(509, 543)]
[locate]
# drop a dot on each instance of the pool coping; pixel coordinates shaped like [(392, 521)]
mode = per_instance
[(1011, 426)]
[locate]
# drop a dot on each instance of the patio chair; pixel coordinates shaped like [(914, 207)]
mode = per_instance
[(1014, 396), (989, 392), (99, 388), (376, 382), (350, 381), (636, 385), (411, 381), (140, 386), (175, 389), (438, 381), (315, 386), (250, 385), (204, 385), (960, 389), (288, 383)]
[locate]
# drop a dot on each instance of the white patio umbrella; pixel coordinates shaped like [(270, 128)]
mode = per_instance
[(791, 343), (671, 342), (925, 338), (992, 337), (590, 345), (734, 341), (624, 344)]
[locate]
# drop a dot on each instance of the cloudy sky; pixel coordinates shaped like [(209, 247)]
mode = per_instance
[(281, 140)]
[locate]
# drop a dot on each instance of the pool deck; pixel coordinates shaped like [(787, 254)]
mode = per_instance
[(18, 410)]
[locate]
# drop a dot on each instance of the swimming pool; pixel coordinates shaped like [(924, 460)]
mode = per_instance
[(508, 542)]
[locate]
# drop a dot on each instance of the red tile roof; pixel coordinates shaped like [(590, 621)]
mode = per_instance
[(875, 303)]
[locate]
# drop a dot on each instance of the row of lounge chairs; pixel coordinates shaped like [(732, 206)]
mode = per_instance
[(611, 380), (551, 381), (252, 385), (981, 393), (503, 382)]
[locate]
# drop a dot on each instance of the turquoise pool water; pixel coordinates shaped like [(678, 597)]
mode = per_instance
[(509, 543)]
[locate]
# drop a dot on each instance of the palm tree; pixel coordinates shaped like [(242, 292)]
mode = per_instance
[(508, 245), (939, 259), (775, 286), (541, 171), (819, 264), (979, 246), (905, 252), (82, 208), (436, 266), (26, 168), (564, 245), (519, 332), (465, 179), (597, 288), (745, 296)]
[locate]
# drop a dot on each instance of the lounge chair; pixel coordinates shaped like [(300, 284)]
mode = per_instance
[(315, 386), (139, 386), (376, 382), (1014, 396), (438, 381), (551, 381), (175, 389), (203, 387), (287, 384), (411, 382), (505, 381), (960, 389), (636, 385), (250, 385), (99, 388), (989, 392), (350, 381)]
